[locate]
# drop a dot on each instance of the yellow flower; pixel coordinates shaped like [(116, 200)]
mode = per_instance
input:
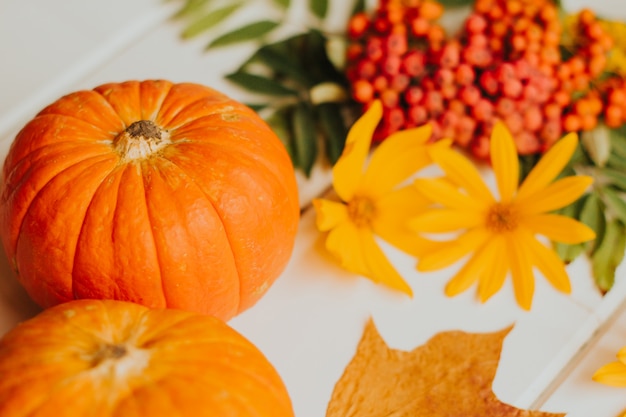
[(373, 200), (614, 373), (502, 233)]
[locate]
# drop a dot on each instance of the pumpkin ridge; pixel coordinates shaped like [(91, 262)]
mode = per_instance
[(166, 124), (221, 217), (157, 105), (83, 223), (75, 118), (195, 183), (69, 140), (93, 160)]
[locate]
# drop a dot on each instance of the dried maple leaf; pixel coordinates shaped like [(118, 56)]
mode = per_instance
[(451, 375)]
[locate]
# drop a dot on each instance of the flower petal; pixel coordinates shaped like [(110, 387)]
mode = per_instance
[(492, 279), (559, 228), (348, 169), (397, 158), (549, 264), (391, 223), (450, 252), (471, 271), (380, 269), (555, 196), (329, 213), (443, 192), (505, 161), (344, 242), (612, 374), (521, 269), (446, 220), (549, 166), (462, 172)]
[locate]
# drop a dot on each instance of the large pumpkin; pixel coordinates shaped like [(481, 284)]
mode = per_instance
[(168, 195), (109, 358)]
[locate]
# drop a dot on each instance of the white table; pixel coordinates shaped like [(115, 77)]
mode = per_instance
[(309, 323)]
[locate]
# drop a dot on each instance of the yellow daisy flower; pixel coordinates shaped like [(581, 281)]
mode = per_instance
[(373, 201), (502, 233), (614, 373)]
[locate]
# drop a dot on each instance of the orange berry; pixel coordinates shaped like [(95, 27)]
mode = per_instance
[(586, 17), (552, 111), (358, 24), (562, 98), (617, 96), (436, 35), (533, 119), (420, 26), (362, 91), (597, 65), (594, 30), (613, 116), (588, 122), (430, 10), (576, 64), (595, 104), (548, 13), (572, 123)]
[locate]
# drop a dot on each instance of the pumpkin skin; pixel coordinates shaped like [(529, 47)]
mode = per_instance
[(163, 194), (106, 358)]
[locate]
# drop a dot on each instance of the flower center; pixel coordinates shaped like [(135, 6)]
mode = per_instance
[(501, 218), (362, 211)]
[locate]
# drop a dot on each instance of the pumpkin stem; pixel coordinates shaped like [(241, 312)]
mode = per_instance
[(106, 352), (141, 140)]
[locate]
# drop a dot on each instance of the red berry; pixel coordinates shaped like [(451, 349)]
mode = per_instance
[(391, 65), (418, 114), (358, 25), (475, 23), (483, 110), (396, 43), (413, 63), (489, 83), (413, 95), (470, 95), (465, 74)]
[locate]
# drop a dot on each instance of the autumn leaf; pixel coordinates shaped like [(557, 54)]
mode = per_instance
[(451, 375)]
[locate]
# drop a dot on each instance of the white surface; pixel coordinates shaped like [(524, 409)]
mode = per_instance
[(312, 318)]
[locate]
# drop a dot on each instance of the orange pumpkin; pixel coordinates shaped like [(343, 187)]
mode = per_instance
[(168, 195), (106, 358)]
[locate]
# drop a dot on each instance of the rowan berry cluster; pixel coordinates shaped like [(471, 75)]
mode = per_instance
[(506, 64)]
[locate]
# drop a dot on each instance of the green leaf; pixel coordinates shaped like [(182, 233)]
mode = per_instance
[(609, 255), (260, 84), (615, 203), (284, 63), (614, 176), (209, 20), (245, 33), (279, 121), (359, 7), (456, 3), (618, 141), (592, 214), (334, 128), (568, 253), (319, 7), (305, 137), (283, 3), (190, 7)]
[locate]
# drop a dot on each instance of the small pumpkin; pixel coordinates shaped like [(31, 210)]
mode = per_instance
[(110, 358), (163, 194)]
